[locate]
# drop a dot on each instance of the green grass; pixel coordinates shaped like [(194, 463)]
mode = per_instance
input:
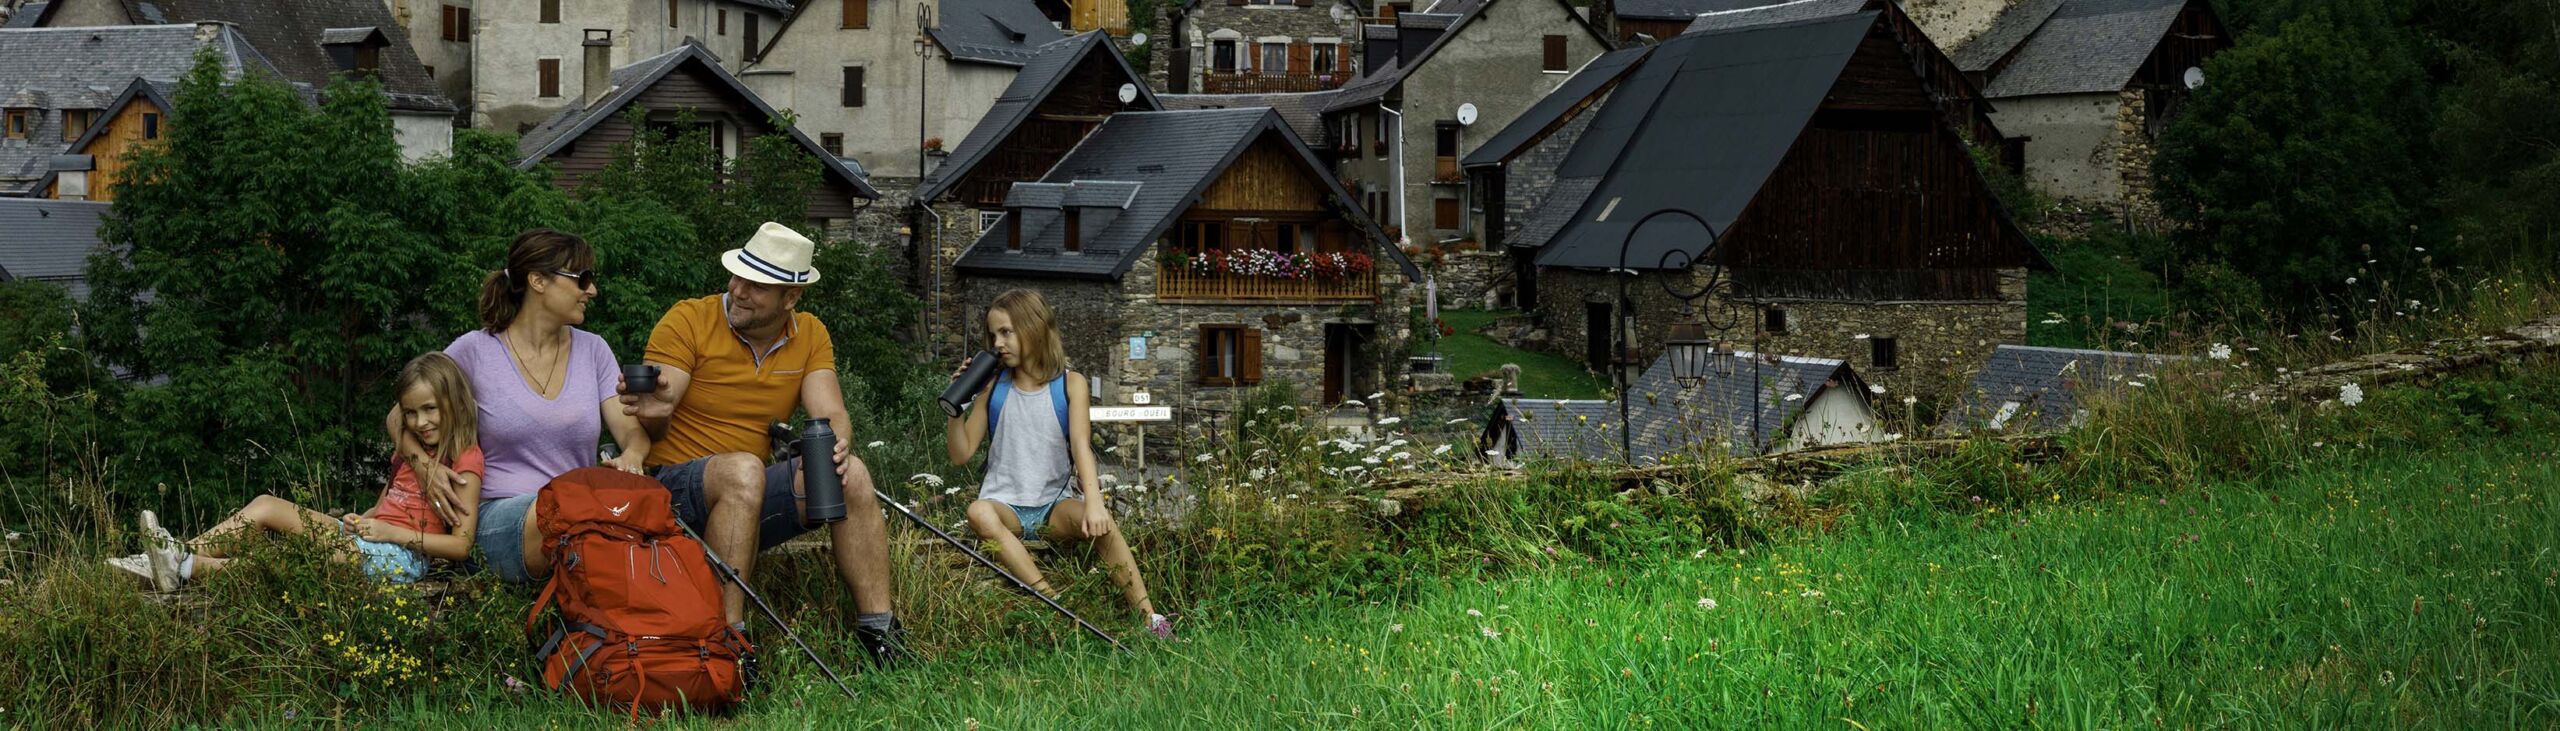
[(1542, 375), (2375, 590)]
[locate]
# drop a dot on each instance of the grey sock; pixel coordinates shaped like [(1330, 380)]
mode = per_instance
[(880, 621), (741, 627)]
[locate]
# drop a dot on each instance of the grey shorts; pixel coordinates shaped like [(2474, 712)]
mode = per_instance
[(501, 535), (778, 521)]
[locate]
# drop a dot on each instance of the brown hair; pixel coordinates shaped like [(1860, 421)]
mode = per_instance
[(536, 251), (1043, 356), (461, 411)]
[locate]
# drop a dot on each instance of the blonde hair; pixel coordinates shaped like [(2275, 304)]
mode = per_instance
[(1036, 328), (460, 410)]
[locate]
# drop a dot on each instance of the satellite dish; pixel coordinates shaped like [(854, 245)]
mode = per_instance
[(1128, 93), (1336, 12), (1137, 39), (2194, 77), (1467, 114)]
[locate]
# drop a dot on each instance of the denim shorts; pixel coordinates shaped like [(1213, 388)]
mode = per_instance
[(1032, 518), (777, 521), (501, 535), (390, 562)]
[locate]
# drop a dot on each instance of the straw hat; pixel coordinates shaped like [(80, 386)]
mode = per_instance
[(775, 255)]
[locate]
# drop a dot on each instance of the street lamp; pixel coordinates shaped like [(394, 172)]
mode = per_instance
[(1691, 353)]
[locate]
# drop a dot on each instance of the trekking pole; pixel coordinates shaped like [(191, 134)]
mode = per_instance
[(775, 617), (991, 565)]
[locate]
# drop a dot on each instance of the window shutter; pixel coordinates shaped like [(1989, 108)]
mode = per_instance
[(548, 71), (1249, 354), (671, 13), (857, 13), (550, 11), (755, 38), (1555, 53), (1342, 60), (724, 21), (462, 24), (852, 95), (1299, 52), (448, 23), (1444, 213)]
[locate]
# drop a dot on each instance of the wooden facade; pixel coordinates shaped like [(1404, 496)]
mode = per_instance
[(691, 88), (137, 121), (1268, 177), (1269, 199), (1088, 95)]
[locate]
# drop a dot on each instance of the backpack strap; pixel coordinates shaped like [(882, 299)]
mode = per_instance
[(1058, 403), (995, 401)]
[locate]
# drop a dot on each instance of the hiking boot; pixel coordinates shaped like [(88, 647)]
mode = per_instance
[(137, 565), (888, 648), (165, 555)]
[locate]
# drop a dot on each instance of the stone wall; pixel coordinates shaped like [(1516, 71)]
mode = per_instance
[(1939, 344), (2134, 153), (2073, 150), (949, 323), (1473, 278), (1248, 26)]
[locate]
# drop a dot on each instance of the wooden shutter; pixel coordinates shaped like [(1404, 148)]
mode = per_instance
[(853, 86), (724, 21), (550, 11), (857, 13), (548, 70), (755, 38), (1342, 60), (1178, 80), (1555, 53), (671, 13), (1444, 213), (448, 23), (1299, 53), (1249, 356), (1075, 226), (462, 24)]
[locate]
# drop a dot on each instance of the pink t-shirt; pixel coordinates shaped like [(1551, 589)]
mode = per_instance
[(405, 503), (529, 439)]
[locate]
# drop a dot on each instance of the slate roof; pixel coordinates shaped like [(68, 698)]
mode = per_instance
[(1374, 84), (85, 68), (1527, 129), (2007, 31), (779, 6), (1772, 14), (1170, 156), (1679, 9), (1304, 111), (159, 93), (1717, 414), (1001, 32), (2087, 46), (290, 31), (1752, 90), (1556, 429), (2048, 384), (1040, 76), (632, 79), (49, 241), (26, 16)]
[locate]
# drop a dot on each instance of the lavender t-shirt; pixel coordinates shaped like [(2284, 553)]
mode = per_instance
[(529, 439)]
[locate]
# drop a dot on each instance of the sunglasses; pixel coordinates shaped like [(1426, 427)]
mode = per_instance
[(585, 279)]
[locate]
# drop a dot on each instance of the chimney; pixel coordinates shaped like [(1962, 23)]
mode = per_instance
[(599, 65), (71, 176)]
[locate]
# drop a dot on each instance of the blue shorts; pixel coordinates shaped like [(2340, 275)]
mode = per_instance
[(1032, 518), (777, 521), (390, 562), (501, 535)]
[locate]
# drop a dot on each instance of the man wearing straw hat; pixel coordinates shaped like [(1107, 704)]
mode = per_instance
[(729, 365)]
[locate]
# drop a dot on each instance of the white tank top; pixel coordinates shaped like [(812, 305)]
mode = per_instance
[(1027, 459)]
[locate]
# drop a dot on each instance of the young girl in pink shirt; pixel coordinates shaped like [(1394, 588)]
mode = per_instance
[(394, 540)]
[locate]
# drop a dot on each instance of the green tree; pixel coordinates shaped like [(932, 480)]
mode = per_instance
[(2306, 162)]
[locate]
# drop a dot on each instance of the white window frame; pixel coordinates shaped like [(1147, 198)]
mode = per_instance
[(1262, 61), (987, 219)]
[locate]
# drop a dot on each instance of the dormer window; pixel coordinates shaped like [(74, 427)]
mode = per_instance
[(355, 50), (1074, 222), (1013, 229), (18, 123)]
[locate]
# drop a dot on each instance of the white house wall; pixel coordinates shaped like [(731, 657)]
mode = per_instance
[(1494, 63), (804, 71), (422, 136), (1836, 416), (2072, 151), (509, 40)]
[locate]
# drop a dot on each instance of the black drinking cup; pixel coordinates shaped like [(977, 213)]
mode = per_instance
[(639, 378), (963, 390)]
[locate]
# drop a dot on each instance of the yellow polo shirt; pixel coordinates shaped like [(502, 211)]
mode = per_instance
[(736, 393)]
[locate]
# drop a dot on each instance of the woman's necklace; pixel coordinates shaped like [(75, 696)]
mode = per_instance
[(541, 384)]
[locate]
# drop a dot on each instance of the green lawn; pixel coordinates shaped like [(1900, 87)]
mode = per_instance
[(1542, 375), (2374, 591)]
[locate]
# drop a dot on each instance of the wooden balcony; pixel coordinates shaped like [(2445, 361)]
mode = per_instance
[(1232, 82), (1175, 287)]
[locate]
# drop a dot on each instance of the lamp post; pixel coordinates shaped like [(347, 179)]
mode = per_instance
[(1690, 350)]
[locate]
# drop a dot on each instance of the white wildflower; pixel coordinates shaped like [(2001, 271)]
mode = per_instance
[(2351, 280), (1859, 336), (1459, 420), (1471, 612), (1372, 459), (1353, 470), (1489, 633), (1397, 627), (1909, 400), (1109, 479), (1390, 421), (1706, 603), (1378, 395), (1400, 456), (1204, 459), (2351, 394), (1795, 397), (1492, 453), (2219, 351), (1875, 389), (1353, 402), (1442, 449), (875, 445), (2138, 384), (2050, 322), (927, 479), (953, 490)]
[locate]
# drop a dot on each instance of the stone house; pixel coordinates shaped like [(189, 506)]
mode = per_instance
[(1745, 404), (1193, 255), (2021, 388), (1060, 96), (59, 84), (515, 62), (2084, 88), (855, 75), (686, 83), (307, 42), (1848, 216), (1256, 46), (1405, 121)]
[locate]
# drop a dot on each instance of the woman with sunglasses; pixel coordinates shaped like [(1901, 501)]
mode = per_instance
[(546, 393)]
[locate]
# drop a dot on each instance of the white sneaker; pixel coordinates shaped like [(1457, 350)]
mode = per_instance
[(138, 565), (166, 555)]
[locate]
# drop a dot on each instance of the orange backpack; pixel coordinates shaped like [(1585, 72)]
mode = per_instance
[(640, 615)]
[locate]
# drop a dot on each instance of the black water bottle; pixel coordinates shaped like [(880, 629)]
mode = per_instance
[(824, 490), (964, 390)]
